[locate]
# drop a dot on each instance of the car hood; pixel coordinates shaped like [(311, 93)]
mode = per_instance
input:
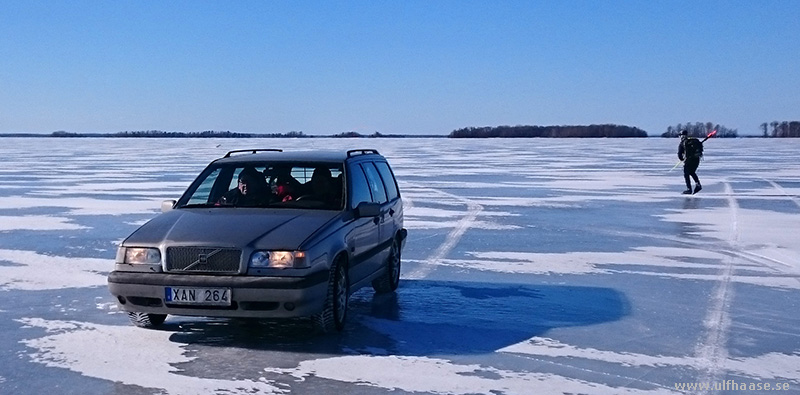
[(231, 227)]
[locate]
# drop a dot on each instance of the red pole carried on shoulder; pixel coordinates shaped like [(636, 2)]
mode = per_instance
[(709, 136)]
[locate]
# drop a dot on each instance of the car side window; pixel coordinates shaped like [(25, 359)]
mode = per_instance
[(375, 183), (388, 180), (360, 188)]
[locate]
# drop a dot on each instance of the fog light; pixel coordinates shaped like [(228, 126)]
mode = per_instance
[(288, 306), (121, 299)]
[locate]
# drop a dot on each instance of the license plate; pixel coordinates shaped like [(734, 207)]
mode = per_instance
[(198, 296)]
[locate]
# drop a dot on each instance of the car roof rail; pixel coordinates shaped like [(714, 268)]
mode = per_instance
[(252, 151), (354, 152)]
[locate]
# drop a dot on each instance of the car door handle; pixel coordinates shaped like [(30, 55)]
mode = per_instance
[(376, 220), (391, 212)]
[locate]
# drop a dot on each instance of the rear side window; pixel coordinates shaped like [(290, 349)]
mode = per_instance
[(388, 180), (375, 183), (360, 187)]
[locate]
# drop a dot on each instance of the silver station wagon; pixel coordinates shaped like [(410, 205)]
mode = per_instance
[(263, 233)]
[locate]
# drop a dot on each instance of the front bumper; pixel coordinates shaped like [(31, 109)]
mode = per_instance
[(251, 296)]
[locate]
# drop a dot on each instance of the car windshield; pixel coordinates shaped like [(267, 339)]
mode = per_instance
[(273, 185)]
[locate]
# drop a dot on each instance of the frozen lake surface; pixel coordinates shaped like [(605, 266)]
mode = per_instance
[(532, 266)]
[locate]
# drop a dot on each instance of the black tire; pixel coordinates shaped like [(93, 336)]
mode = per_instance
[(145, 320), (334, 315), (390, 279)]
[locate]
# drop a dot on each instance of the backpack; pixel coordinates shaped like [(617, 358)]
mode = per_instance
[(693, 148)]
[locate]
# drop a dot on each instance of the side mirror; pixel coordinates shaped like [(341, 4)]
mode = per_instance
[(365, 209), (167, 205)]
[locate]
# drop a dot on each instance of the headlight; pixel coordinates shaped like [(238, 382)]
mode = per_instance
[(142, 255), (278, 259)]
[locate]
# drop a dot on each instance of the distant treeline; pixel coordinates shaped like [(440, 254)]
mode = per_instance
[(161, 133), (549, 131), (700, 129), (782, 129), (373, 135), (696, 129), (205, 134)]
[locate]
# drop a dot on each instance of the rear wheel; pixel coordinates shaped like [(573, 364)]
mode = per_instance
[(390, 279), (334, 314), (145, 320)]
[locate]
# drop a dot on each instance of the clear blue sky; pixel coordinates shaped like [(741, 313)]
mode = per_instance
[(410, 67)]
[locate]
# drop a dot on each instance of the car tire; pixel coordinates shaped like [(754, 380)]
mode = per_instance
[(334, 314), (390, 279), (145, 320)]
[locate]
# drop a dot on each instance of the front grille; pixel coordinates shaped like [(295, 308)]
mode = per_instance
[(200, 259)]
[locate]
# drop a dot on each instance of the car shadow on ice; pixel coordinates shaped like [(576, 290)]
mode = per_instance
[(421, 318), (469, 318)]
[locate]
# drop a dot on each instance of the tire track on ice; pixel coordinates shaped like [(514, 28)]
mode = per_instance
[(713, 350), (473, 209), (783, 191), (776, 265)]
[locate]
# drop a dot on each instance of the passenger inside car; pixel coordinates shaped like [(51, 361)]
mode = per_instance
[(321, 186), (322, 190), (282, 183)]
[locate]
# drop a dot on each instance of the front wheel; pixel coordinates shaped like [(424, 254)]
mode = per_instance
[(145, 320), (390, 279), (334, 314)]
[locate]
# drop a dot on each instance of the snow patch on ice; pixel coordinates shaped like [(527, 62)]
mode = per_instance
[(441, 376), (137, 223), (36, 222), (423, 212), (762, 232), (612, 262), (111, 307), (131, 351), (111, 188), (581, 262), (421, 217), (774, 366), (33, 271), (84, 206), (417, 224), (775, 281)]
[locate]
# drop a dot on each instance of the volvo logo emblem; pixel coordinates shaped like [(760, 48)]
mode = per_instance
[(202, 259)]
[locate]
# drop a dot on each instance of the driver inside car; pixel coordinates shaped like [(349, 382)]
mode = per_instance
[(251, 190)]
